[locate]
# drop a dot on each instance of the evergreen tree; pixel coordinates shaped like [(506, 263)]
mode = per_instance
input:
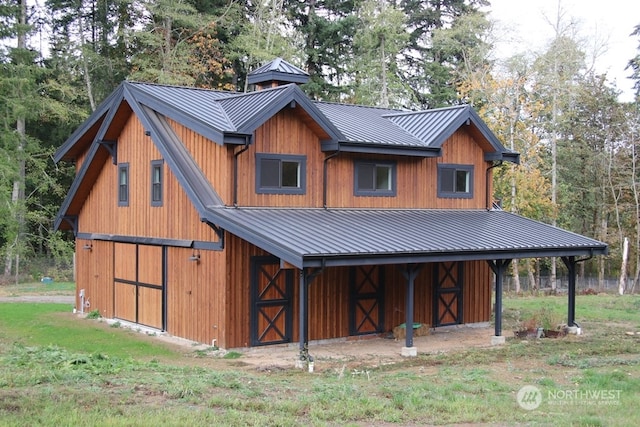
[(430, 67), (377, 45), (328, 28)]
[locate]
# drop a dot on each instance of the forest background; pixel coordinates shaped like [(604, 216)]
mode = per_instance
[(579, 165)]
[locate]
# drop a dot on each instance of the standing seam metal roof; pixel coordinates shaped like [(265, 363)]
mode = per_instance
[(361, 124), (340, 234)]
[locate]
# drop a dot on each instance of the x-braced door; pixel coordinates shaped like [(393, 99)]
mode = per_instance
[(447, 298), (271, 293), (366, 311)]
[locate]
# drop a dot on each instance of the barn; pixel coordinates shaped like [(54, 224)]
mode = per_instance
[(266, 217)]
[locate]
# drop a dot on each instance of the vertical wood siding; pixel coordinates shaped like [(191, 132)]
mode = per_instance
[(284, 133), (329, 297), (416, 178), (196, 296), (214, 159), (94, 274), (210, 300), (477, 292), (175, 219)]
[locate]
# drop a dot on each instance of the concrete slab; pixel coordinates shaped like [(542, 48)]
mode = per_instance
[(409, 352)]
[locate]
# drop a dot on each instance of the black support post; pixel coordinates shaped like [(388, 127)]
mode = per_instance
[(304, 315), (410, 273), (571, 262), (498, 266)]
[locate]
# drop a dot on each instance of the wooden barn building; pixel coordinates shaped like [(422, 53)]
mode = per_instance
[(248, 219)]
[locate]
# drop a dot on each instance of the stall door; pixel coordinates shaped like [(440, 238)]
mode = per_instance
[(366, 308), (139, 284), (271, 294), (447, 298)]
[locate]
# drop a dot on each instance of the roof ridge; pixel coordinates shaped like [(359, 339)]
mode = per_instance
[(200, 89), (430, 110), (373, 107), (258, 92)]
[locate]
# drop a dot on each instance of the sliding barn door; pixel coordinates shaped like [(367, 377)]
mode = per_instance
[(139, 284)]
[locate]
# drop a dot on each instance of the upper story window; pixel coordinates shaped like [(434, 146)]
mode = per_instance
[(123, 184), (280, 174), (374, 178), (455, 181), (156, 182)]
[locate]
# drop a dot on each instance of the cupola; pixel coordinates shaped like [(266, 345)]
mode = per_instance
[(277, 72)]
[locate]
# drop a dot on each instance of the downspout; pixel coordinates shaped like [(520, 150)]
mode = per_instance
[(324, 177), (235, 172), (486, 183)]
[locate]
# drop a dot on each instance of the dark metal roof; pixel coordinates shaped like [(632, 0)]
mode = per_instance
[(242, 108), (197, 109), (367, 125), (407, 132), (314, 237), (432, 126), (278, 70)]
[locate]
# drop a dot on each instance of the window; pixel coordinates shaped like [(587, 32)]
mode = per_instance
[(280, 174), (375, 178), (123, 184), (156, 182), (455, 181)]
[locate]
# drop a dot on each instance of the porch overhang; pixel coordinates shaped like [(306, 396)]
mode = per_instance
[(309, 238)]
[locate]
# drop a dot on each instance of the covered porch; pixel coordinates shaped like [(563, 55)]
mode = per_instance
[(312, 240)]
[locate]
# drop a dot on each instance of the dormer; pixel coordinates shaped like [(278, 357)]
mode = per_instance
[(277, 73)]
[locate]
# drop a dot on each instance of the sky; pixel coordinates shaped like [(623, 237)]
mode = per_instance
[(524, 26)]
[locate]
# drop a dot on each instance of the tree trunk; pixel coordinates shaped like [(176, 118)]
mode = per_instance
[(623, 267), (85, 61), (17, 195), (531, 275), (516, 275)]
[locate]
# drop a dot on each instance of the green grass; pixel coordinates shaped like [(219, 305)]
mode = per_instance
[(49, 324), (38, 288), (57, 369)]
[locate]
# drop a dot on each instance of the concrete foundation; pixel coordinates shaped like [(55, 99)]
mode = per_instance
[(409, 352), (498, 340)]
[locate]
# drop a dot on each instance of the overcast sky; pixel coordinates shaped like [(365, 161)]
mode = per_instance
[(525, 26)]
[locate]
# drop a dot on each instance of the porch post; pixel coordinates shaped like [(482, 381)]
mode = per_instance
[(570, 262), (304, 315), (498, 267), (410, 274)]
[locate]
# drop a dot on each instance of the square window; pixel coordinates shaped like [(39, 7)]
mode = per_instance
[(455, 181), (280, 174), (375, 178), (123, 184)]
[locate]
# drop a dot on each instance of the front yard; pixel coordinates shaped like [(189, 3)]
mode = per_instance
[(57, 369)]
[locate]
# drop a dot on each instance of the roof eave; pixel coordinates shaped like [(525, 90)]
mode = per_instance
[(278, 76), (378, 259), (98, 115), (372, 148), (507, 156)]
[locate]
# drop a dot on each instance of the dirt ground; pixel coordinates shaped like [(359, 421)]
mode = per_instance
[(369, 351)]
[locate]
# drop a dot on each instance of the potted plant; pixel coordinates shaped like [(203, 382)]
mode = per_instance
[(529, 328), (551, 323)]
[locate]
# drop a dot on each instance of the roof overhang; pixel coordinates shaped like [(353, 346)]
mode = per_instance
[(343, 237), (368, 148)]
